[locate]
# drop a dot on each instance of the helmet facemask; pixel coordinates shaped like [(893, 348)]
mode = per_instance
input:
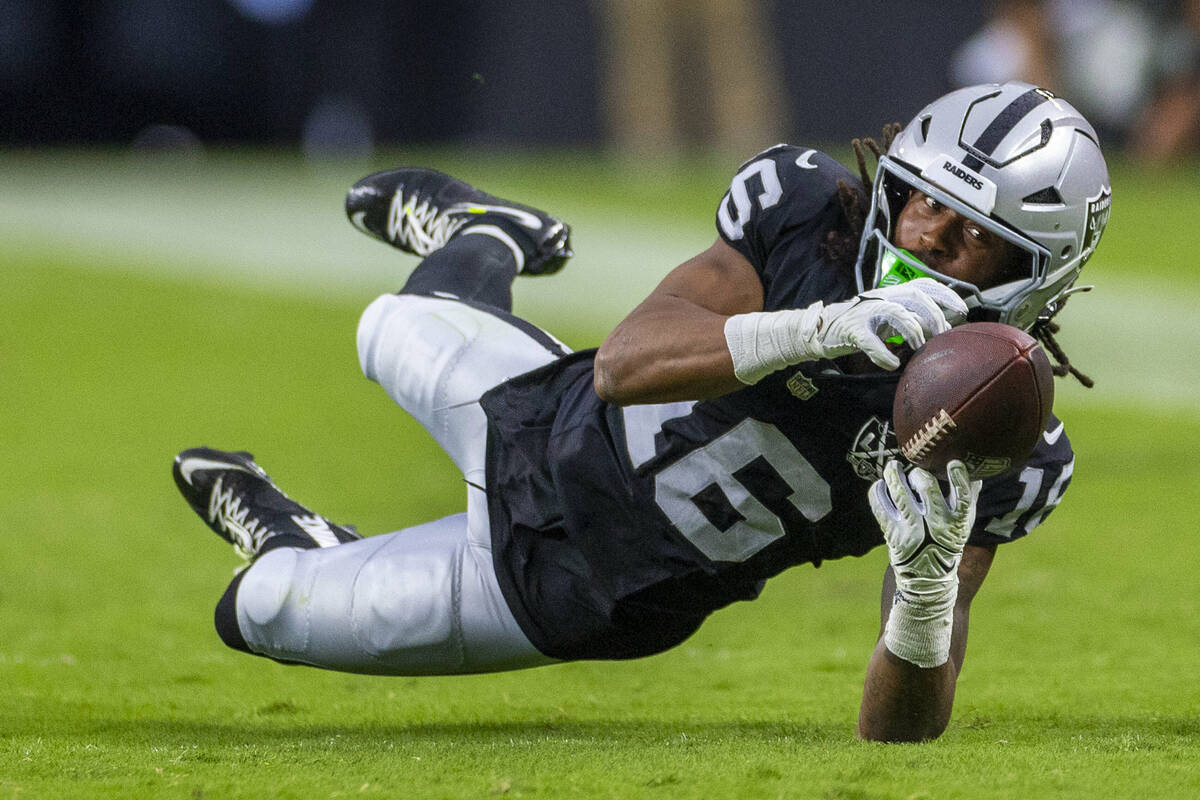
[(881, 262), (1018, 161)]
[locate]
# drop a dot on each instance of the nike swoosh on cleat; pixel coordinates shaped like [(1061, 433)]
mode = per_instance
[(190, 465), (317, 528), (530, 221)]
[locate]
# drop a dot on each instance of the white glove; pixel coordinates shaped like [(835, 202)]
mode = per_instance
[(925, 534), (764, 341)]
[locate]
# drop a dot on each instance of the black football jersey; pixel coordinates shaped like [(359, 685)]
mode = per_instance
[(617, 530)]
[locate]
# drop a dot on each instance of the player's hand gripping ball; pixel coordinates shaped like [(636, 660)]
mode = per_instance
[(980, 393)]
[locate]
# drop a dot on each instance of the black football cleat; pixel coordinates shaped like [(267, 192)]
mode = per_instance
[(418, 210), (240, 502)]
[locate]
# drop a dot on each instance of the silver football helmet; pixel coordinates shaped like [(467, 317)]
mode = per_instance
[(1023, 163)]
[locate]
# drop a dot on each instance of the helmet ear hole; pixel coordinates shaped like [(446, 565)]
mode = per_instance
[(1066, 252)]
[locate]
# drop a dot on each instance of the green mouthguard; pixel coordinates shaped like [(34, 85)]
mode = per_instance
[(900, 266)]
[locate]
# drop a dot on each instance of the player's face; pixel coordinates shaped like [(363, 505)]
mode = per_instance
[(953, 244)]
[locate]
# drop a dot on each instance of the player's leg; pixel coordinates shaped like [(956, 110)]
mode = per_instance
[(424, 600), (420, 601), (473, 243), (436, 358)]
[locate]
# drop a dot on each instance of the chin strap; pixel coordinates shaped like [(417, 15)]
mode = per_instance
[(1044, 330)]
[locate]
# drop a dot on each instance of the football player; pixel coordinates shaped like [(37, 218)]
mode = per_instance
[(735, 424)]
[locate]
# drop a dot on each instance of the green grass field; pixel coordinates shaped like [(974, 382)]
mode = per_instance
[(147, 307)]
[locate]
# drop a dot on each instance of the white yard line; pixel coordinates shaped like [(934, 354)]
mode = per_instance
[(293, 237)]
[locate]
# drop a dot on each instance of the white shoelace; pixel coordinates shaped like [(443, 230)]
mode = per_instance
[(420, 227), (225, 509)]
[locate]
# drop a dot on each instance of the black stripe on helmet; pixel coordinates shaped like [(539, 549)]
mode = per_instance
[(979, 152)]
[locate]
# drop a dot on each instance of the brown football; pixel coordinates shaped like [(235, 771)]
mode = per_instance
[(980, 393)]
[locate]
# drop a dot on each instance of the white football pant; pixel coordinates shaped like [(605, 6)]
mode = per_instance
[(423, 600)]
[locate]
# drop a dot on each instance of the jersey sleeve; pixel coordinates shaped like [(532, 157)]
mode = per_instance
[(783, 195), (1012, 505)]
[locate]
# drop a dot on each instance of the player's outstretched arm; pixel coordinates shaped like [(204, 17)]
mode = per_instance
[(927, 593), (701, 332), (903, 702), (672, 346)]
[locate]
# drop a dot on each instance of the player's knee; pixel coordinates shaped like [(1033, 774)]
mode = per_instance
[(406, 343), (260, 592), (264, 604)]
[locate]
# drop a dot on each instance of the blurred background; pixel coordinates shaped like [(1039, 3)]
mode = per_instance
[(651, 76), (212, 141)]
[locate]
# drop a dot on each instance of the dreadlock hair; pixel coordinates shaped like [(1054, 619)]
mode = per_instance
[(841, 243), (1043, 330)]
